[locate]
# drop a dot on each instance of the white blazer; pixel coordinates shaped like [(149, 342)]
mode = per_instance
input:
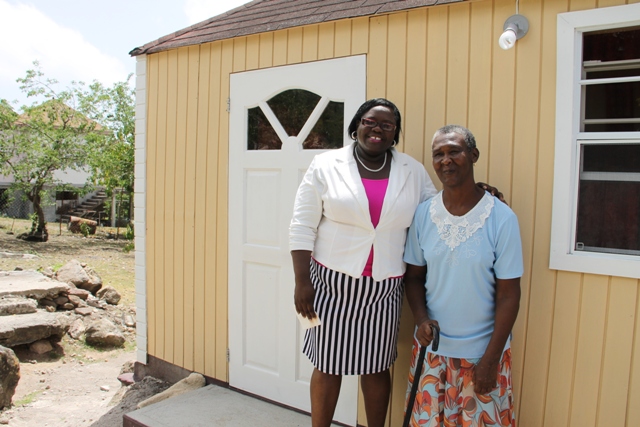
[(331, 213)]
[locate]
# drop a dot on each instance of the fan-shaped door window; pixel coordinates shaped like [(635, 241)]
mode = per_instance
[(298, 114)]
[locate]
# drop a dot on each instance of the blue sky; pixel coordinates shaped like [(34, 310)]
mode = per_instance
[(87, 40)]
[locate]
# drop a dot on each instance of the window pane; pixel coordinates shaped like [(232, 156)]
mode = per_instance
[(609, 217), (611, 158), (328, 131), (293, 108), (260, 133), (609, 203), (613, 101), (611, 45), (615, 106)]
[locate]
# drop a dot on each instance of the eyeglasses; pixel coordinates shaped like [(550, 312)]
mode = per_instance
[(387, 127)]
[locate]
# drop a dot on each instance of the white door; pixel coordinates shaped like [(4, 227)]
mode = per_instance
[(280, 119)]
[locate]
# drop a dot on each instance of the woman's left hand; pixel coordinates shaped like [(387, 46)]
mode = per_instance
[(485, 376)]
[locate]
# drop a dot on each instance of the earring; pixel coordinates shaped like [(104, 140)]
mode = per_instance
[(353, 135), (394, 143)]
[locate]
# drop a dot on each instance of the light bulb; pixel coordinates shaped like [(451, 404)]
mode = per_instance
[(507, 39)]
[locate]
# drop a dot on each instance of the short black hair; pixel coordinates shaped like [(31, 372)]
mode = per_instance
[(368, 105)]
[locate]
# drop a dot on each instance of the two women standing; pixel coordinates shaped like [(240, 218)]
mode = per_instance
[(347, 237)]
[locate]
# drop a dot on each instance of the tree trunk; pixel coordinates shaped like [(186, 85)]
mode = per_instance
[(131, 208), (38, 231)]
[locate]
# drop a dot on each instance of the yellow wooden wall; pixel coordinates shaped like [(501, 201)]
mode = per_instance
[(576, 361)]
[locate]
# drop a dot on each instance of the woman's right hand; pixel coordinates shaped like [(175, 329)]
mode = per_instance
[(303, 298), (424, 334), (304, 293)]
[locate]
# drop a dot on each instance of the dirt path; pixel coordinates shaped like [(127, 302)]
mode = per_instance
[(67, 391)]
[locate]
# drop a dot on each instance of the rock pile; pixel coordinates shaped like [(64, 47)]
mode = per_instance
[(9, 375), (39, 309)]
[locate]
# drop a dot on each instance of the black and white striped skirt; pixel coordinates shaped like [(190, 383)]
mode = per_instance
[(360, 320)]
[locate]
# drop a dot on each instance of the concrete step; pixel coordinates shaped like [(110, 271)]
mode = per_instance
[(215, 405)]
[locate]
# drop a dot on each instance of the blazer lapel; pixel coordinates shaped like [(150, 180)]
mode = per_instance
[(398, 176), (348, 171)]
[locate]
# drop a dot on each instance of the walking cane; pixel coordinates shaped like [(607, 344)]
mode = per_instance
[(418, 373)]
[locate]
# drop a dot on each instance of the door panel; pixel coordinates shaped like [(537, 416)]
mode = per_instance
[(280, 119)]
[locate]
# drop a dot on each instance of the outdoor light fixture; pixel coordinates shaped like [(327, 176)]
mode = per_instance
[(515, 27)]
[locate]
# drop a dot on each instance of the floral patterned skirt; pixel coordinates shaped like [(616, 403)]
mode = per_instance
[(446, 398)]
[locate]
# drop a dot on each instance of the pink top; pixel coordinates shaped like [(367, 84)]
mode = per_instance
[(375, 189)]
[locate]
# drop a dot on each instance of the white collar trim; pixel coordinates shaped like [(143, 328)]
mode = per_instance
[(454, 230)]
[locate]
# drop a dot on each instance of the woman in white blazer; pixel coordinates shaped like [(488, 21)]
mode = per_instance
[(351, 215)]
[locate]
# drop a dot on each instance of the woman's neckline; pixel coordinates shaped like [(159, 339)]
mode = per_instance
[(444, 206)]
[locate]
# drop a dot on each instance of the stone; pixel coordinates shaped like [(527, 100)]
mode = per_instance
[(45, 302), (96, 303), (41, 347), (77, 301), (192, 382), (20, 256), (10, 304), (109, 295), (9, 375), (84, 311), (74, 273), (104, 333), (78, 293), (48, 271), (126, 379), (30, 284), (61, 300), (128, 320), (68, 306), (31, 327), (76, 330), (94, 279)]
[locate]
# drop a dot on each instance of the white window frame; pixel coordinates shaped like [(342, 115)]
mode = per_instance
[(570, 29)]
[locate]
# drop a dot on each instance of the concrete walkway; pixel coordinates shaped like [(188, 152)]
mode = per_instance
[(214, 406)]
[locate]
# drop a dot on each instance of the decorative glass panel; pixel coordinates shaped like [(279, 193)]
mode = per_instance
[(328, 131), (261, 135), (293, 108)]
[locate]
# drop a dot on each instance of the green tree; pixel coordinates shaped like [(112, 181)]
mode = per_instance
[(82, 127), (48, 136), (112, 155)]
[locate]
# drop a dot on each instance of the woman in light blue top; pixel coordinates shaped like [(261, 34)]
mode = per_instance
[(464, 263)]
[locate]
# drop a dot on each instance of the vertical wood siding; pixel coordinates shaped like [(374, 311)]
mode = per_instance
[(576, 355)]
